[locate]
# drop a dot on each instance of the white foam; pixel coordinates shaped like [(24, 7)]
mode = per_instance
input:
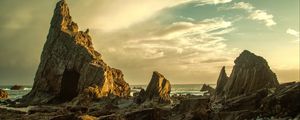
[(27, 88), (5, 89)]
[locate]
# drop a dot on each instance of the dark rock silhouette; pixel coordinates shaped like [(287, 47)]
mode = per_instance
[(159, 89), (3, 94), (221, 82), (17, 87), (208, 88), (140, 97), (69, 64), (250, 73)]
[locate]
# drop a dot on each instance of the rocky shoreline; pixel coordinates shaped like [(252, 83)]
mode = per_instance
[(74, 83), (282, 103)]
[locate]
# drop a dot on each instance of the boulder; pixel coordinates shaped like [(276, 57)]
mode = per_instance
[(158, 89), (17, 87), (69, 64), (250, 73), (207, 89), (221, 82), (3, 94)]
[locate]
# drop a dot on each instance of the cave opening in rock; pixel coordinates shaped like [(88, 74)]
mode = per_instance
[(69, 85)]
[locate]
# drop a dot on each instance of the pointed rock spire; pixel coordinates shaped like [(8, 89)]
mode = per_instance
[(221, 82), (159, 88), (69, 65), (62, 19)]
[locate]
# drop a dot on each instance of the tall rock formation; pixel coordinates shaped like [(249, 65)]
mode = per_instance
[(159, 89), (250, 73), (221, 82), (69, 64)]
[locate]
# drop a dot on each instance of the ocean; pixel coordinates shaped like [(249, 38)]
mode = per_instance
[(180, 89)]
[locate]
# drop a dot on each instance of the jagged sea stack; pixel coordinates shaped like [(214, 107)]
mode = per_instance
[(159, 89), (221, 82), (250, 73), (69, 64)]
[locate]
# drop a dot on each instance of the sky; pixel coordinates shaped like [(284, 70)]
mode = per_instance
[(188, 41)]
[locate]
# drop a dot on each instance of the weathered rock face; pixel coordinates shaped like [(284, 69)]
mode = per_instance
[(159, 89), (249, 74), (284, 102), (69, 64), (192, 104), (221, 82), (246, 102), (3, 94)]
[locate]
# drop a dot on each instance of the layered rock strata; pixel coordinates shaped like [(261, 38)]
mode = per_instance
[(250, 73)]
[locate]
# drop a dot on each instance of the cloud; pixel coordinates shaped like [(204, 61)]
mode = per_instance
[(182, 38), (130, 36), (108, 15), (254, 14), (261, 15), (176, 47), (243, 5), (293, 33), (215, 60), (205, 2)]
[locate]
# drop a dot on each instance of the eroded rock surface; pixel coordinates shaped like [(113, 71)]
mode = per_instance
[(158, 89), (69, 64), (250, 73), (284, 102), (3, 94)]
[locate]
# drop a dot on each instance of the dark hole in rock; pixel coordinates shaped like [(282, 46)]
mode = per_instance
[(69, 85)]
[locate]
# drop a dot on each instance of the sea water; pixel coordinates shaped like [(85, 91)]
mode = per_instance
[(179, 89), (16, 94)]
